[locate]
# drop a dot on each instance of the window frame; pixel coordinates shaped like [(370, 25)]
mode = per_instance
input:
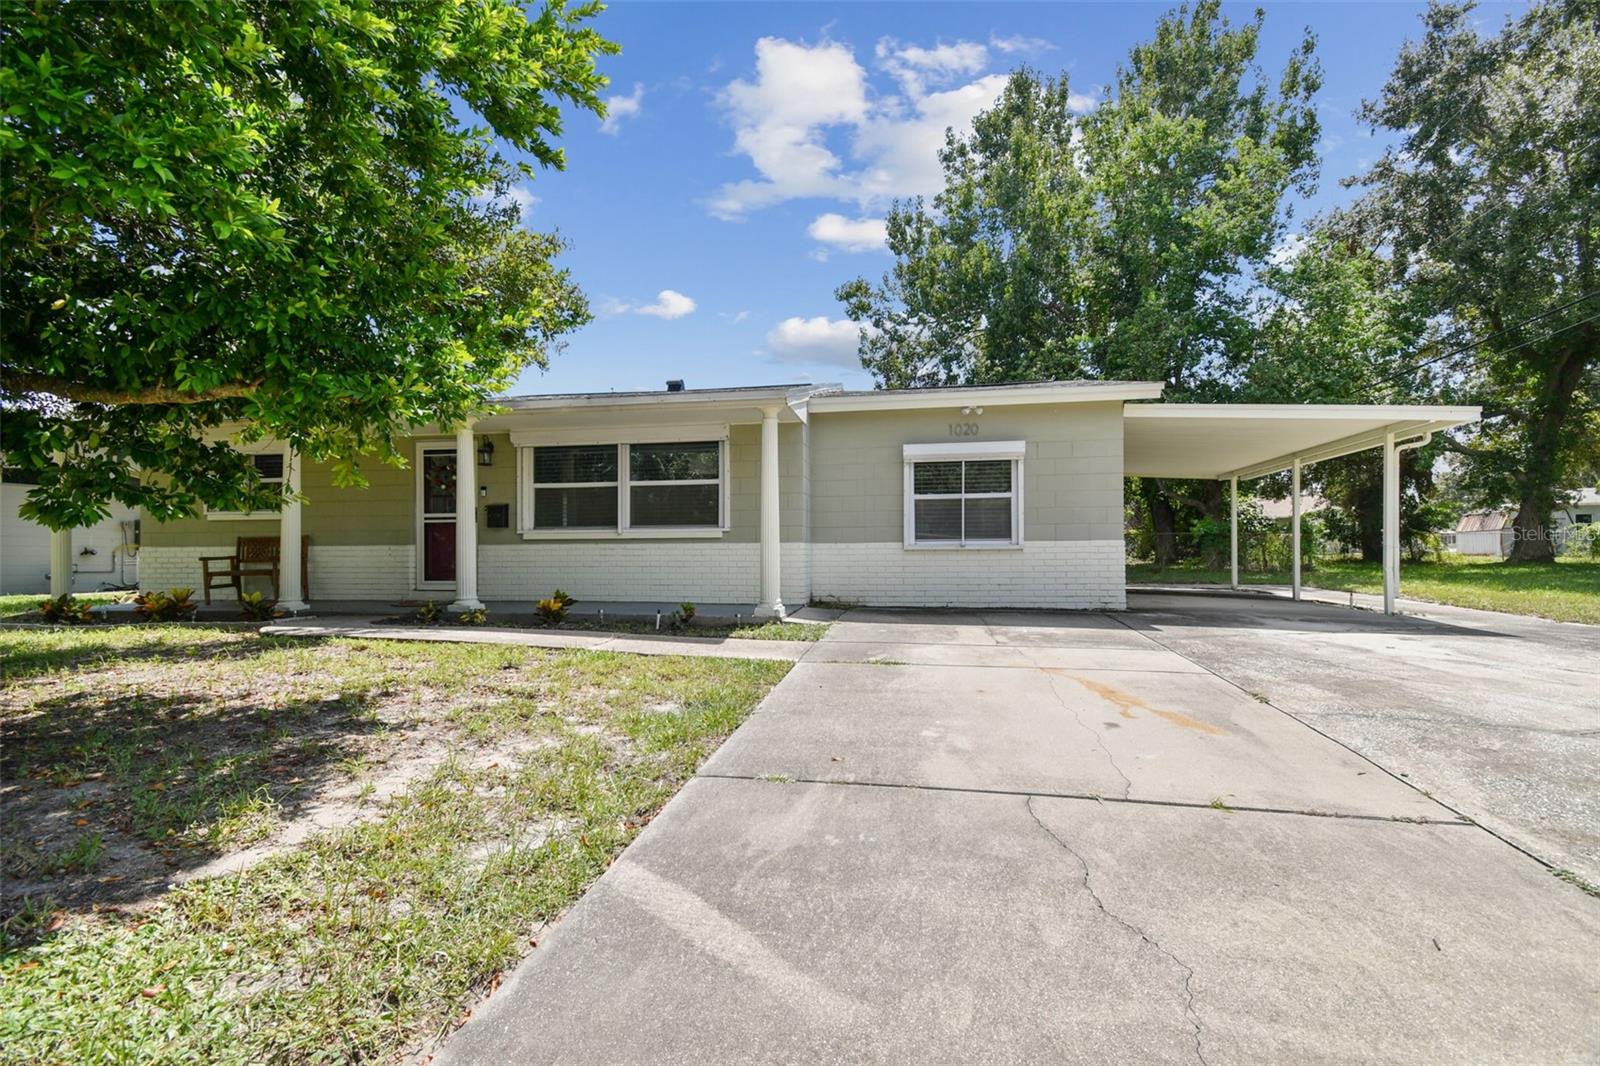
[(975, 452), (270, 448), (623, 441), (534, 486)]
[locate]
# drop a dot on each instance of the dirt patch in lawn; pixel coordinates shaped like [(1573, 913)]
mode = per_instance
[(224, 846)]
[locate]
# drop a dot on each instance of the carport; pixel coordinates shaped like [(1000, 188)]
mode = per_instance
[(1227, 442)]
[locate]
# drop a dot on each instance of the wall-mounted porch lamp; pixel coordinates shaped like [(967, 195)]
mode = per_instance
[(486, 453)]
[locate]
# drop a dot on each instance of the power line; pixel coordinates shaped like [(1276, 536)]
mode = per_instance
[(1501, 332)]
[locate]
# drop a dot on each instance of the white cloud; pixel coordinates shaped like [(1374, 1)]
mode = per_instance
[(1082, 102), (610, 305), (778, 121), (620, 107), (1288, 249), (849, 234), (801, 94), (669, 304), (524, 199), (916, 67), (1017, 44), (815, 340)]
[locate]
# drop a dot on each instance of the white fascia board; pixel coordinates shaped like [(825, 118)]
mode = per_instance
[(1270, 411), (986, 396), (989, 449), (719, 397), (1403, 430)]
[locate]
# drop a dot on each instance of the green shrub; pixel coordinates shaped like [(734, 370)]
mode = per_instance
[(173, 605), (65, 611), (477, 616), (687, 611), (429, 612)]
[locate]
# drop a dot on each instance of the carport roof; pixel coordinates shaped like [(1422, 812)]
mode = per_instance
[(1215, 440)]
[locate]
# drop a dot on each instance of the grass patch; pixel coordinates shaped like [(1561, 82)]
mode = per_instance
[(1567, 591), (365, 940)]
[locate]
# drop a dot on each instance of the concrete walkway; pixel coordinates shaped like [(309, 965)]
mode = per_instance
[(1017, 838)]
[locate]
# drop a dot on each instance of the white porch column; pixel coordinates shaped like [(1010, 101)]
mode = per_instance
[(60, 562), (1294, 533), (771, 605), (1391, 524), (291, 596), (466, 522), (1233, 528)]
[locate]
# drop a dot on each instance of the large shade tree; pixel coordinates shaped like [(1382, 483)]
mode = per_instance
[(1117, 244), (287, 216), (1488, 210)]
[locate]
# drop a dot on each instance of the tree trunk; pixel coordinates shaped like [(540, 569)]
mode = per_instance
[(1369, 519), (1532, 540), (1163, 524)]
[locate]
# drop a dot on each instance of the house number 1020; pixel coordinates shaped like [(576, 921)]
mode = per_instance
[(963, 429)]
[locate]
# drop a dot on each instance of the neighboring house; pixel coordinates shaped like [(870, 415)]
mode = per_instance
[(1282, 510), (769, 496), (1490, 532), (105, 555)]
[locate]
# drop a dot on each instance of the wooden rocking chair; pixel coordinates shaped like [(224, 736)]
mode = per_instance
[(252, 557)]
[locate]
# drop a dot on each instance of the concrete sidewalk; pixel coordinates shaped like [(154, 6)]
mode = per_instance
[(1014, 838)]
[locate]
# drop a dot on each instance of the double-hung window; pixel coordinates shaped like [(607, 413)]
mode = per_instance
[(575, 487), (648, 488), (967, 496)]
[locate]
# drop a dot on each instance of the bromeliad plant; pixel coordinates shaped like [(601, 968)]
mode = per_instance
[(257, 608), (429, 612), (477, 616), (173, 605), (64, 610)]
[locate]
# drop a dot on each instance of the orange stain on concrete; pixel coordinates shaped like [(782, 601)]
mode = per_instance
[(1126, 702)]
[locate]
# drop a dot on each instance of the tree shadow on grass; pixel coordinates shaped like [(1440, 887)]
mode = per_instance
[(90, 646), (106, 799)]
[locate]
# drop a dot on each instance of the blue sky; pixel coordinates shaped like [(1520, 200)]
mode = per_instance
[(752, 149)]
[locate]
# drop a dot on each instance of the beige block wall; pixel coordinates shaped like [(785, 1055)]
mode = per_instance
[(1071, 471), (384, 512)]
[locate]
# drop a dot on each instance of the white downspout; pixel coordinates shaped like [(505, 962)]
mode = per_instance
[(1294, 532), (1233, 527), (1391, 516)]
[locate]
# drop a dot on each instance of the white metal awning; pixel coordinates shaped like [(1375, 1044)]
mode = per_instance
[(1192, 440)]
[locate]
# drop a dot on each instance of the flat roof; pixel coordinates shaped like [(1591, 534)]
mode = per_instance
[(1221, 440)]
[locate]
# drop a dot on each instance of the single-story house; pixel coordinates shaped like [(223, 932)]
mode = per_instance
[(771, 496), (104, 555)]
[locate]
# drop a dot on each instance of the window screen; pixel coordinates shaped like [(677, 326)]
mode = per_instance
[(963, 501), (671, 485), (575, 487)]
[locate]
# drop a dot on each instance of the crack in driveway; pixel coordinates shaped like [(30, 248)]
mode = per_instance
[(1127, 783), (1188, 971)]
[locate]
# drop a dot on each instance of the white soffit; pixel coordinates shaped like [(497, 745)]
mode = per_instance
[(1251, 440)]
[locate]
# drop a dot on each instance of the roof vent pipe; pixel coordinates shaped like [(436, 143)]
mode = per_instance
[(675, 385)]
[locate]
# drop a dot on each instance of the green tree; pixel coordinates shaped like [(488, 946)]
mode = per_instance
[(1112, 245), (288, 215), (1488, 209)]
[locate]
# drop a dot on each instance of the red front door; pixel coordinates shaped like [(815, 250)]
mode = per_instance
[(439, 516)]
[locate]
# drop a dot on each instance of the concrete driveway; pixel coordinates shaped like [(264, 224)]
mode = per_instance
[(1030, 837)]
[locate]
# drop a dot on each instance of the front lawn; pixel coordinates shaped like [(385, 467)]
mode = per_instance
[(406, 817), (1568, 591)]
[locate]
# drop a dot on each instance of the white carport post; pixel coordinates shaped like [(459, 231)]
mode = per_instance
[(771, 605), (291, 596), (1233, 528), (1391, 523), (1294, 533), (466, 521)]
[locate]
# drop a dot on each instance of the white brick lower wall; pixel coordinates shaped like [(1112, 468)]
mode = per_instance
[(335, 572), (702, 571), (361, 571), (1071, 574)]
